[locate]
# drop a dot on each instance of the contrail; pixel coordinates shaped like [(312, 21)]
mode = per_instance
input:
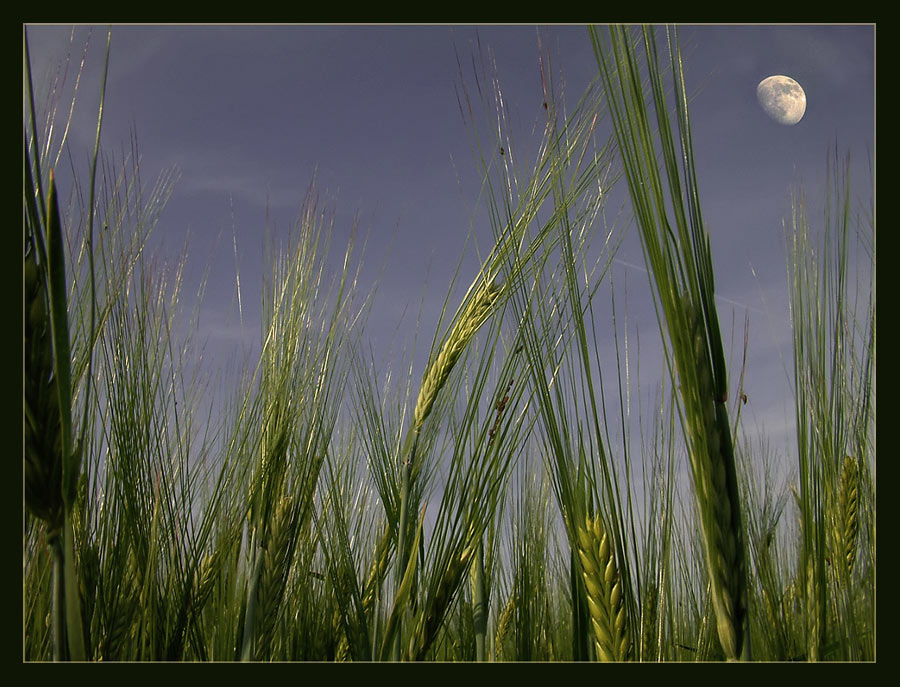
[(718, 296)]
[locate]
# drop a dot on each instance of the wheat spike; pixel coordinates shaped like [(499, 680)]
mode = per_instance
[(812, 613), (118, 612), (503, 624), (476, 312), (273, 577), (849, 514), (342, 652), (377, 572), (604, 591), (205, 578)]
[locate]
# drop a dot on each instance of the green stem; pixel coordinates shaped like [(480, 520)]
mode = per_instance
[(57, 606), (581, 629), (402, 549), (375, 624), (74, 626), (479, 604), (250, 620)]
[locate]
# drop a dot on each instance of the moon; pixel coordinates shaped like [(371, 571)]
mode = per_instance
[(782, 98)]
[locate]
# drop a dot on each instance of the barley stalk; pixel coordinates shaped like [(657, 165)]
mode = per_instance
[(604, 591), (43, 435), (479, 603), (89, 567), (51, 465)]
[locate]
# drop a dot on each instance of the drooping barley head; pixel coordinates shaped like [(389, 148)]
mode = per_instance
[(476, 312)]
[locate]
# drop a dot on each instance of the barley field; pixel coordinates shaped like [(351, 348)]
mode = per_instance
[(511, 503)]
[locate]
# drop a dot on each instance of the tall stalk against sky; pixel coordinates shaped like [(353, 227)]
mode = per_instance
[(678, 258), (53, 454)]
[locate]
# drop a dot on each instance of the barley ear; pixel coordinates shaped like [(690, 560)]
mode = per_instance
[(118, 618), (849, 516), (476, 311), (430, 621), (503, 624), (712, 463), (813, 616), (205, 578), (604, 591), (342, 651), (377, 571), (273, 577)]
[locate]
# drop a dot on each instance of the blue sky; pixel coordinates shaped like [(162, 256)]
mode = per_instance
[(249, 114)]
